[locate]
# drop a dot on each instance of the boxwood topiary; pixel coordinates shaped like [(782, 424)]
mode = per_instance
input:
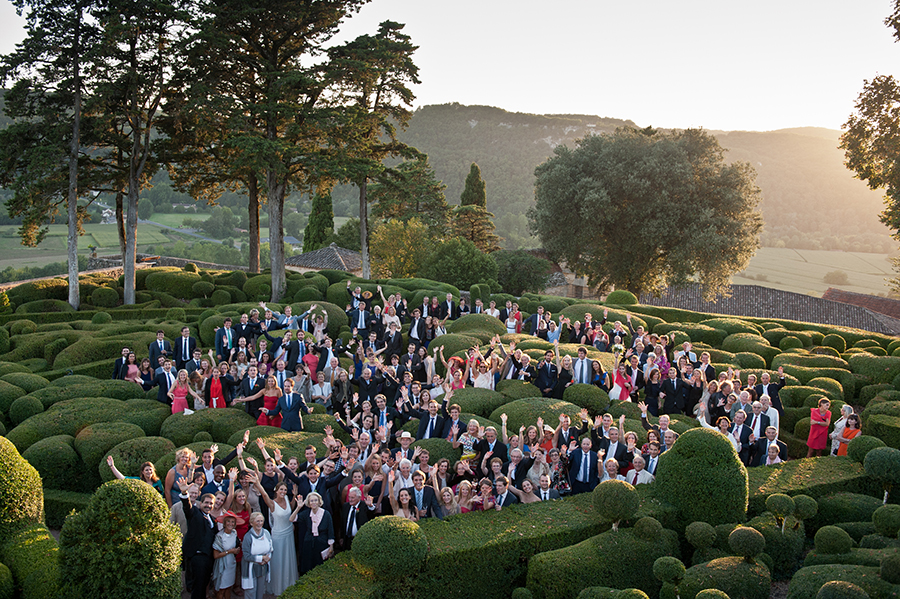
[(96, 440), (7, 587), (615, 500), (4, 340), (835, 341), (135, 555), (860, 446), (883, 464), (479, 401), (27, 381), (44, 306), (22, 327), (746, 542), (886, 428), (593, 398), (700, 534), (886, 520), (837, 589), (789, 342), (258, 287), (24, 408), (525, 412), (702, 476), (20, 491), (831, 539), (621, 297), (130, 454), (390, 548), (806, 583), (438, 449), (732, 575), (31, 554), (174, 283), (844, 507), (711, 594), (57, 461), (733, 326), (479, 322), (202, 289), (515, 389), (881, 369), (785, 546)]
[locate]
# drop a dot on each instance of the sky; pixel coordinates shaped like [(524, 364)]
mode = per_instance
[(721, 65)]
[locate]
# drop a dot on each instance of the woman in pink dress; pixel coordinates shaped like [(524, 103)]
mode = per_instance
[(818, 430), (179, 392), (271, 395), (132, 370)]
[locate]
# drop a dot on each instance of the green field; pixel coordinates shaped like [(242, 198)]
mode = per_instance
[(802, 271), (175, 220)]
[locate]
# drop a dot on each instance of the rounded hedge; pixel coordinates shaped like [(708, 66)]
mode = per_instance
[(22, 327), (515, 389), (890, 568), (479, 401), (780, 505), (733, 326), (105, 297), (621, 297), (632, 593), (747, 542), (887, 520), (648, 528), (702, 476), (8, 394), (700, 534), (593, 398), (96, 440), (438, 449), (476, 322), (525, 412), (176, 283), (835, 341), (24, 408), (805, 507), (668, 569), (129, 455), (521, 593), (7, 587), (615, 500), (711, 594), (24, 380), (101, 318), (21, 493), (57, 461), (860, 446), (839, 589), (732, 575), (390, 548), (883, 464), (4, 340), (135, 555), (833, 540), (219, 297), (789, 342), (202, 437)]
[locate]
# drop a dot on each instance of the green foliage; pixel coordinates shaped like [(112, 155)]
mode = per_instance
[(135, 554), (28, 382), (4, 340), (844, 507), (475, 223), (807, 581), (104, 297), (525, 412), (96, 440), (890, 569), (473, 194), (621, 297), (175, 283), (860, 446), (202, 289), (790, 342), (7, 587), (415, 192), (780, 505), (399, 249), (475, 322), (669, 569), (593, 398), (732, 575), (886, 428), (130, 454), (615, 500), (24, 408), (835, 341), (516, 389), (831, 539), (747, 542), (439, 448), (785, 546), (220, 423), (320, 226), (883, 464), (702, 476), (881, 369), (59, 504), (837, 589), (700, 534), (519, 271), (20, 493), (390, 548), (31, 554), (887, 520), (57, 462), (458, 262), (805, 507)]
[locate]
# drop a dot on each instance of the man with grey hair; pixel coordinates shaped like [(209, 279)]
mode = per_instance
[(769, 411), (639, 476), (758, 421), (516, 469), (354, 514)]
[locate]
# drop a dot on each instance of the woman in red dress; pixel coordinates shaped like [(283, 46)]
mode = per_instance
[(818, 430), (271, 395)]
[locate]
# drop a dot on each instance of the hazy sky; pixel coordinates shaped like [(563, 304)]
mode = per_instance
[(717, 64)]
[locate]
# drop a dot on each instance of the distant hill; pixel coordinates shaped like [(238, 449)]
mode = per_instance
[(810, 200)]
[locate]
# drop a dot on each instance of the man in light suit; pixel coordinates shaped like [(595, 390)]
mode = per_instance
[(504, 497), (184, 348), (583, 471), (290, 405), (160, 347), (639, 476), (197, 547)]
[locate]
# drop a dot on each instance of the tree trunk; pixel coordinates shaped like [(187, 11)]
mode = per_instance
[(275, 195), (253, 194), (72, 238), (131, 218), (120, 221), (364, 228)]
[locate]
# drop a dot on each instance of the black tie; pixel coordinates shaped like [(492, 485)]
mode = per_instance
[(350, 522)]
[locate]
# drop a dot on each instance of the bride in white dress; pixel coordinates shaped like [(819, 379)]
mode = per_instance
[(284, 553)]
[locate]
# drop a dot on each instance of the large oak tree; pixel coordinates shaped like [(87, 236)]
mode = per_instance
[(641, 210)]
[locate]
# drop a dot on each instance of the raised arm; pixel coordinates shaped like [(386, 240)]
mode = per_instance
[(112, 466)]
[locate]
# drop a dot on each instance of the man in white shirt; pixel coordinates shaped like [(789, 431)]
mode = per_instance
[(545, 493), (639, 476), (769, 411), (504, 497)]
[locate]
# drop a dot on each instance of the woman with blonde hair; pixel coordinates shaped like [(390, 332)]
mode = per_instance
[(183, 468), (271, 394), (179, 392)]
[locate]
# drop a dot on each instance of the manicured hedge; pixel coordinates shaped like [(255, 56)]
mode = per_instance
[(881, 369), (28, 382), (31, 554), (515, 389), (734, 576), (57, 462), (885, 427), (96, 440), (806, 583), (479, 401), (59, 504), (130, 454), (20, 492), (475, 322), (525, 412), (785, 547), (844, 507), (593, 398), (698, 333), (175, 283), (181, 428)]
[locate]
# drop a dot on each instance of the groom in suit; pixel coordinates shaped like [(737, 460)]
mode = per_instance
[(289, 405), (197, 547)]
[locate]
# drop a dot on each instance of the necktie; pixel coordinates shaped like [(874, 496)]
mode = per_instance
[(584, 467), (170, 378), (350, 521), (431, 429), (228, 336), (583, 376), (753, 424), (290, 401), (545, 496), (419, 499), (184, 351), (652, 466), (160, 345), (382, 421)]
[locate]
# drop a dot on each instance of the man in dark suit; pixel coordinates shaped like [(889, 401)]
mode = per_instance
[(368, 387), (290, 406), (516, 469), (451, 419), (673, 393), (449, 309), (504, 497), (544, 492), (506, 311), (425, 308), (196, 549), (651, 458), (250, 386), (566, 433), (635, 374), (359, 320), (425, 498), (291, 349), (160, 347), (533, 320), (118, 371), (547, 375), (281, 373), (326, 351), (354, 514), (246, 329), (416, 335), (372, 343), (393, 341), (766, 387), (431, 422), (741, 432), (705, 367), (225, 340), (761, 447), (194, 363), (583, 471), (358, 298), (757, 421), (184, 348), (383, 413), (164, 380), (612, 448), (490, 444)]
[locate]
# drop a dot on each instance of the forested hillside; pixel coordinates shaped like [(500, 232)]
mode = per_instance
[(810, 201)]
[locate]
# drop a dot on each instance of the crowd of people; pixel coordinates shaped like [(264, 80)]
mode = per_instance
[(256, 527)]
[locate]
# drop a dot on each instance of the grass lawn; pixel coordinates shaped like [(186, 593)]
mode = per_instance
[(175, 220)]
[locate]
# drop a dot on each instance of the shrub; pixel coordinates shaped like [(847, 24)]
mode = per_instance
[(96, 440), (887, 520), (886, 428), (130, 454), (698, 333), (733, 325), (24, 408), (647, 528), (473, 322), (515, 389), (4, 340), (785, 546), (202, 289), (31, 555), (711, 594), (781, 506), (700, 534), (702, 476), (731, 575), (479, 401), (881, 369), (835, 341), (747, 542), (44, 306), (615, 500), (837, 589), (749, 360), (57, 462), (621, 297), (174, 283), (805, 507), (807, 581), (669, 569), (258, 287), (220, 297), (7, 588), (593, 398), (134, 555), (22, 327), (845, 507), (860, 446), (439, 448), (27, 381), (890, 569), (831, 539), (20, 492), (789, 342), (52, 349), (59, 504), (525, 412), (883, 464), (104, 297), (868, 392), (390, 548)]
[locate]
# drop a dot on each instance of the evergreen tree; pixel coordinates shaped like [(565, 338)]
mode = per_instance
[(473, 193), (412, 191), (474, 223), (320, 227)]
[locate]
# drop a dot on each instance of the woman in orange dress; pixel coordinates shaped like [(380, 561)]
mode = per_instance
[(850, 431), (271, 395)]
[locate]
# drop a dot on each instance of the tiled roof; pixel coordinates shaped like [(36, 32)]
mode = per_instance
[(333, 257), (763, 302), (874, 303)]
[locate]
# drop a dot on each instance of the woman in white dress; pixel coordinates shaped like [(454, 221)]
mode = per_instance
[(225, 548), (284, 554)]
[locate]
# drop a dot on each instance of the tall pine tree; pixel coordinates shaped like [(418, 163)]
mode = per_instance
[(473, 194), (470, 219), (320, 227)]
